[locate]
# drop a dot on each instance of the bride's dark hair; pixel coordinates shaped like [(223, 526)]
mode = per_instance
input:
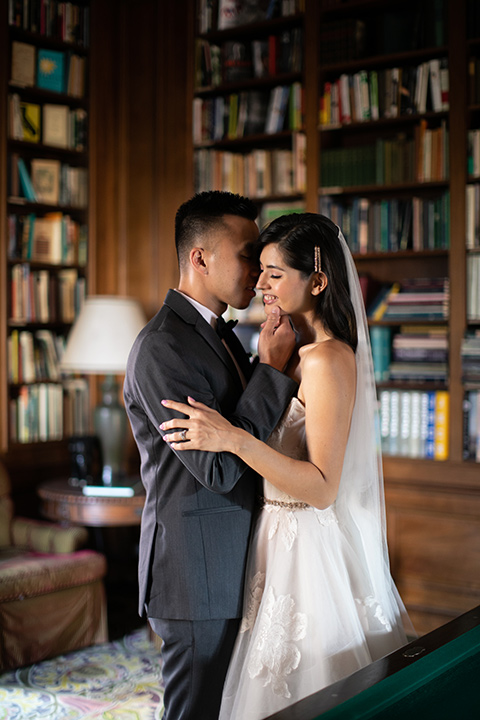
[(297, 236)]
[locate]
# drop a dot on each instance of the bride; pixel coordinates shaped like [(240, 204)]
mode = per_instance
[(319, 600)]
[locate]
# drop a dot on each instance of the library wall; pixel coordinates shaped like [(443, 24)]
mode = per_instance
[(141, 153)]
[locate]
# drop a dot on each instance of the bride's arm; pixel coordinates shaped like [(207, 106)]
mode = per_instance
[(328, 385)]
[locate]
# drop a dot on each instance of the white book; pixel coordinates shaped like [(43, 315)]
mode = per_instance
[(394, 422), (385, 420), (346, 111), (405, 423), (415, 448), (435, 89)]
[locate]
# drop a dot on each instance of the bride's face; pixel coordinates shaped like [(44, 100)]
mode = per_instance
[(283, 286)]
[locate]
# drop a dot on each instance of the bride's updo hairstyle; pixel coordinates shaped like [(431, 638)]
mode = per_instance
[(297, 237)]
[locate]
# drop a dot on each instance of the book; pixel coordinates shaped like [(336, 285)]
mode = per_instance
[(46, 180), (51, 70), (379, 306), (55, 125), (23, 64), (237, 61), (233, 13), (111, 490), (276, 111), (380, 338), (30, 120), (442, 413), (26, 181), (47, 239)]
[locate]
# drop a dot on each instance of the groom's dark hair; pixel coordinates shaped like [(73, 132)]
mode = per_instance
[(205, 211)]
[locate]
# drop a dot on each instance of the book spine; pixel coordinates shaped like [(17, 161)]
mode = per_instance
[(442, 415)]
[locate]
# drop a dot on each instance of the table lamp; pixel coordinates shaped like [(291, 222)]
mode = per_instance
[(99, 343)]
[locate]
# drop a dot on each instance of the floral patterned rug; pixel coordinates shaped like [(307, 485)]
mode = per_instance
[(115, 681)]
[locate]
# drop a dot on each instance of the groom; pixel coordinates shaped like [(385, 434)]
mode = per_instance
[(199, 506)]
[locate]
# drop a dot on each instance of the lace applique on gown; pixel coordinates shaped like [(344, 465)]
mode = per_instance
[(310, 617)]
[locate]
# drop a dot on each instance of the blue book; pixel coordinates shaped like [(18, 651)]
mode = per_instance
[(51, 70), (430, 441), (25, 181), (380, 338)]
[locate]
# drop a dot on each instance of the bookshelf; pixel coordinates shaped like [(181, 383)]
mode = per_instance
[(390, 95), (248, 114), (44, 221)]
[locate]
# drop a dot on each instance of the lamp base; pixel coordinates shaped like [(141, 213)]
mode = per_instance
[(110, 424)]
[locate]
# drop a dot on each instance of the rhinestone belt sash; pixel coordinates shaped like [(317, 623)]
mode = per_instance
[(293, 505)]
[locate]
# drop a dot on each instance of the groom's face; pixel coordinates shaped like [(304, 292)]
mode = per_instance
[(233, 267)]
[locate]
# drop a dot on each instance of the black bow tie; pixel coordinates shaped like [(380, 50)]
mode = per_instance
[(225, 331), (225, 328)]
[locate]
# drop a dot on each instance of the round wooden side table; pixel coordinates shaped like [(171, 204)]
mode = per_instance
[(61, 502)]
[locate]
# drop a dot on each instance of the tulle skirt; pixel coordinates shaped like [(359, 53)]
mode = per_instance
[(311, 615)]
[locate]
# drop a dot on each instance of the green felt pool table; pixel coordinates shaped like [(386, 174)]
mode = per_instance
[(436, 677)]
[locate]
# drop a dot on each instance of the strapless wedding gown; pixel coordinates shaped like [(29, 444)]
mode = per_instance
[(309, 616)]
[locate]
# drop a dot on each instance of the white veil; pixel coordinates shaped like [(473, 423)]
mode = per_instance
[(360, 502)]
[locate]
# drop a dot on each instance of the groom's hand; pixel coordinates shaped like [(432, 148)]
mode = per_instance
[(277, 340)]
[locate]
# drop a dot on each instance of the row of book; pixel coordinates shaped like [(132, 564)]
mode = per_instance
[(50, 124), (64, 21), (34, 356), (372, 95), (40, 296), (415, 423), (412, 299), (226, 14), (416, 353), (471, 425), (391, 225), (258, 173), (470, 353), (238, 60), (48, 181), (57, 71), (473, 288), (473, 216), (53, 239), (390, 30), (49, 411), (250, 112), (421, 158)]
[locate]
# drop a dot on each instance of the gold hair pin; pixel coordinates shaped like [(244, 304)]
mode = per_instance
[(317, 259)]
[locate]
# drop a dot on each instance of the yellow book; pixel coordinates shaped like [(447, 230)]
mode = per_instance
[(30, 114), (380, 310), (442, 423)]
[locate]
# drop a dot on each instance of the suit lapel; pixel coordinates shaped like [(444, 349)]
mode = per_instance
[(191, 316)]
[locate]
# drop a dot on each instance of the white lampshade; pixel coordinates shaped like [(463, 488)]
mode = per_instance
[(103, 334)]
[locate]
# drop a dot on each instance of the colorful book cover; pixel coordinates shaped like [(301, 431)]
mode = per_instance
[(25, 181), (50, 70), (30, 117), (442, 415), (430, 439)]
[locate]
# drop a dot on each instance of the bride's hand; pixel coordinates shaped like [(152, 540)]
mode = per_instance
[(203, 428)]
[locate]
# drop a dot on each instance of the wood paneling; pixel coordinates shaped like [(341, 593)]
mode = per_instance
[(434, 546), (142, 151)]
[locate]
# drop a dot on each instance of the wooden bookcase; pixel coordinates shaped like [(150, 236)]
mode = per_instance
[(30, 259), (433, 506)]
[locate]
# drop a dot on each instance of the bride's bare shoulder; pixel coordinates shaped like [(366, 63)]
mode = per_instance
[(327, 352)]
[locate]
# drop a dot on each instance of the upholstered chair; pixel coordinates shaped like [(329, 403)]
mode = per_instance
[(52, 596)]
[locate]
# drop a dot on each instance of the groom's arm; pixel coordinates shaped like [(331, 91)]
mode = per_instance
[(160, 371)]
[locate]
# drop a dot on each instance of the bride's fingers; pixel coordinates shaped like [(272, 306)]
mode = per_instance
[(180, 407), (197, 404), (175, 423), (176, 437)]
